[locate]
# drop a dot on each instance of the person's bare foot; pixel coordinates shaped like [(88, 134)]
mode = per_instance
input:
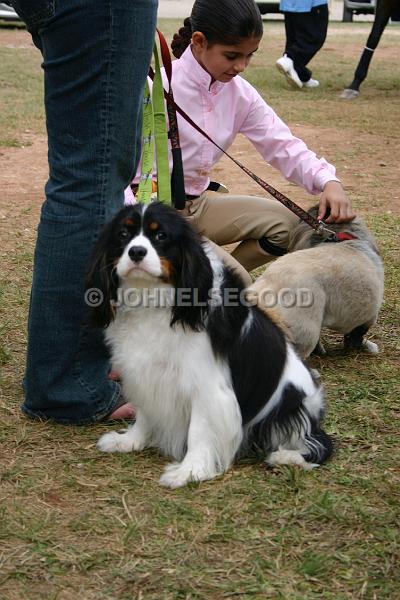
[(122, 412), (114, 375)]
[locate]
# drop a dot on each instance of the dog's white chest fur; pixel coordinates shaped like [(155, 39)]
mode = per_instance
[(165, 372)]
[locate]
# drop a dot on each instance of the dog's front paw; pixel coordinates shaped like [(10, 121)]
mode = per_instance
[(127, 440), (289, 457), (115, 442), (370, 347), (315, 374), (178, 474)]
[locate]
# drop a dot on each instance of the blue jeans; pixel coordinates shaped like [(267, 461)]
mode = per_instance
[(96, 55)]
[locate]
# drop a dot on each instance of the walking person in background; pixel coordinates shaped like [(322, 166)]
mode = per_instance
[(96, 56), (306, 25)]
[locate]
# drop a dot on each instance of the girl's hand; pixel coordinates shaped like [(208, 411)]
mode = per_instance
[(335, 200)]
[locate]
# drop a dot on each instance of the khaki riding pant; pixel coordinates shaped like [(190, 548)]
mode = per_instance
[(227, 219)]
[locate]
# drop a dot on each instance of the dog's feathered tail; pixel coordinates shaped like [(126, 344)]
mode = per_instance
[(291, 432)]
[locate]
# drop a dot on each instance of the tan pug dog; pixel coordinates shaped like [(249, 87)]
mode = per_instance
[(338, 285)]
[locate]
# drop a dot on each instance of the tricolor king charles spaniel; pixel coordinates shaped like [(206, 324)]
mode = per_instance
[(212, 377)]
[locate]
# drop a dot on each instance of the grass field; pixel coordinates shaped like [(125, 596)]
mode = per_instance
[(76, 523)]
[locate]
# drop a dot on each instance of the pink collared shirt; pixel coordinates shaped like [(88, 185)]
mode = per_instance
[(225, 109)]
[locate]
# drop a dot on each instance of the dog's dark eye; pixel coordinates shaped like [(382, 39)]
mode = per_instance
[(160, 235), (123, 233)]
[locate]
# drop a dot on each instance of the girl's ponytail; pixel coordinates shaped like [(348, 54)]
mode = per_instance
[(225, 22), (182, 39)]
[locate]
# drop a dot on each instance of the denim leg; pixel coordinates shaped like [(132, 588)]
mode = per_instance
[(95, 58)]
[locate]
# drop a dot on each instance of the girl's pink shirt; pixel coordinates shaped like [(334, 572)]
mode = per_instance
[(225, 109)]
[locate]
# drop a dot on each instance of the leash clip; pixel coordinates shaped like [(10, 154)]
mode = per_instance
[(323, 231)]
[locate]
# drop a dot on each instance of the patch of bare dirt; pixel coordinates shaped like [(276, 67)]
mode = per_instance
[(369, 177), (23, 173), (15, 38)]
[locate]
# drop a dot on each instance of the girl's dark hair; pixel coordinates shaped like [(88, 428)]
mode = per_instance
[(224, 22)]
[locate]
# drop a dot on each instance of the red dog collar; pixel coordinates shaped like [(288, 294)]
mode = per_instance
[(344, 236)]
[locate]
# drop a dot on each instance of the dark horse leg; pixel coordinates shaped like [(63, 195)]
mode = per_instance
[(383, 11)]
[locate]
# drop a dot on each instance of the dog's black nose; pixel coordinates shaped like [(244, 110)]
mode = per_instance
[(137, 253)]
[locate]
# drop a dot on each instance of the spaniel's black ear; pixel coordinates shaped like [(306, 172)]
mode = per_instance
[(193, 284), (102, 281)]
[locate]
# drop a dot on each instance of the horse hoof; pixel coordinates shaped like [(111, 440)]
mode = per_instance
[(349, 94)]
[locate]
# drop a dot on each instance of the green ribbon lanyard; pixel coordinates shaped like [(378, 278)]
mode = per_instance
[(154, 135)]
